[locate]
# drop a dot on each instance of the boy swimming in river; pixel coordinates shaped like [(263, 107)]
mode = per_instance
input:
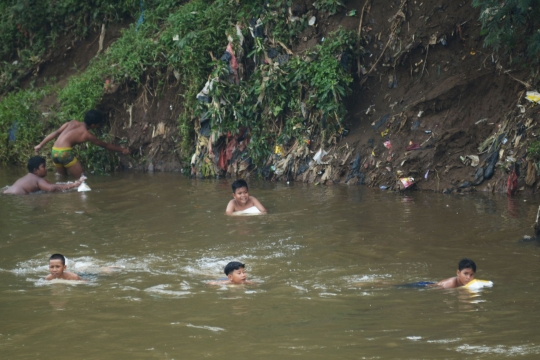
[(236, 275), (57, 269), (34, 180), (70, 134), (465, 274), (242, 203)]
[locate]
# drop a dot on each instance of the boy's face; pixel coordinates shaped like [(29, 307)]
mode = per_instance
[(41, 171), (237, 276), (241, 195), (56, 268), (465, 276)]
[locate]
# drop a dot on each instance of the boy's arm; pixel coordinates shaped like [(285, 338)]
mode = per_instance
[(49, 138), (103, 144), (49, 277), (47, 186), (258, 205), (230, 208)]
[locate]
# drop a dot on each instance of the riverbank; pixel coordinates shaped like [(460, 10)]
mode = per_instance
[(406, 91)]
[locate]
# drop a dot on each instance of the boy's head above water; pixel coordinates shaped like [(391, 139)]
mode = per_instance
[(37, 165), (466, 271), (57, 269), (235, 272), (239, 184), (57, 265)]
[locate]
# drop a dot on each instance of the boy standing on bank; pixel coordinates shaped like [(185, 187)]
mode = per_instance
[(242, 203), (70, 134), (34, 180)]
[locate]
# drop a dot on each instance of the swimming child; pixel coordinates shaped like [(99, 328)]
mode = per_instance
[(70, 134), (34, 180), (57, 269), (235, 273), (465, 274), (242, 203)]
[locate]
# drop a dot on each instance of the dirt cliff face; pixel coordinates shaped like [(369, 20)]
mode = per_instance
[(433, 88), (425, 84)]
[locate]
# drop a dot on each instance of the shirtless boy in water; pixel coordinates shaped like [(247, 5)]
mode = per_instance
[(236, 275), (465, 274), (57, 269), (242, 201), (34, 180), (70, 134)]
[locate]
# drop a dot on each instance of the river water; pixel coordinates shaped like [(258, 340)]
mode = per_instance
[(327, 262)]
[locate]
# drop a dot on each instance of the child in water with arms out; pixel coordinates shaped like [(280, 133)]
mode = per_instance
[(465, 274), (35, 180), (242, 203), (236, 275), (57, 269)]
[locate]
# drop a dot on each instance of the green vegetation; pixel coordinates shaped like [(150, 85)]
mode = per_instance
[(29, 28), (20, 127), (330, 6), (292, 97), (533, 152), (509, 23)]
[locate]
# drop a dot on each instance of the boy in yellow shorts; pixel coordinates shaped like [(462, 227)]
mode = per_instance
[(70, 134)]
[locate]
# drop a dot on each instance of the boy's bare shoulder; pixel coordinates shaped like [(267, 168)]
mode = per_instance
[(71, 276), (447, 283), (219, 282)]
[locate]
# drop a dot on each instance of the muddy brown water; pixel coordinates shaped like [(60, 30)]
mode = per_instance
[(326, 261)]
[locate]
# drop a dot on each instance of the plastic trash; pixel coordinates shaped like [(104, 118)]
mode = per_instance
[(478, 284), (383, 187), (426, 175), (256, 27), (83, 187), (533, 96), (474, 160), (278, 150), (490, 169), (387, 144), (407, 182), (413, 146), (382, 121), (312, 21), (319, 155), (351, 13)]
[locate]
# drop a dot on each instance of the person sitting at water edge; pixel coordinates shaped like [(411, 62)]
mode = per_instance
[(70, 134), (34, 180), (236, 275), (57, 269), (242, 203), (465, 274)]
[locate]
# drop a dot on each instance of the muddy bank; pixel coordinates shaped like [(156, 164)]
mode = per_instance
[(428, 103)]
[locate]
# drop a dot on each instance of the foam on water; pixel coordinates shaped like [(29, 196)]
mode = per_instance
[(499, 349)]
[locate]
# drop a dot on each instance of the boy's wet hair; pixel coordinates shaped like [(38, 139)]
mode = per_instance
[(466, 264), (237, 184), (233, 265), (93, 117), (58, 257), (34, 162)]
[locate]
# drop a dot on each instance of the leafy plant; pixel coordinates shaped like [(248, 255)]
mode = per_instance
[(20, 125), (511, 22), (533, 151), (329, 6)]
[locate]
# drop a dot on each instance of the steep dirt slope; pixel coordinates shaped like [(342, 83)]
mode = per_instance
[(434, 86), (425, 81)]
